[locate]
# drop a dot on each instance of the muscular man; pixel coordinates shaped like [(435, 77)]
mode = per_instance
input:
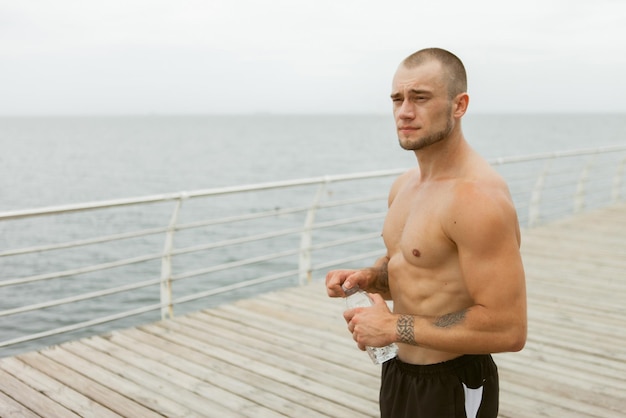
[(453, 267)]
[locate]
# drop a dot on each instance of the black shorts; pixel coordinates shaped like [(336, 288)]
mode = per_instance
[(465, 387)]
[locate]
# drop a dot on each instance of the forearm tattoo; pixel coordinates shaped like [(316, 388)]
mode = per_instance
[(405, 329), (448, 320)]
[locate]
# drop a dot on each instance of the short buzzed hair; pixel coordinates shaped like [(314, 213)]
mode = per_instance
[(456, 77)]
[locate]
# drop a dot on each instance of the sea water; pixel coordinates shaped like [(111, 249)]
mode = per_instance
[(52, 161)]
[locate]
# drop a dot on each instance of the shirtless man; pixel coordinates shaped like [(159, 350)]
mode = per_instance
[(453, 267)]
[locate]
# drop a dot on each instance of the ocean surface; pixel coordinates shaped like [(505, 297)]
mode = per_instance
[(47, 161), (52, 161)]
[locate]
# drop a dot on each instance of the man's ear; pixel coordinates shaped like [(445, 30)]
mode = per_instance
[(461, 102)]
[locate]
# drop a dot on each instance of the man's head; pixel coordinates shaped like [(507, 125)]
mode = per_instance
[(429, 98), (453, 69)]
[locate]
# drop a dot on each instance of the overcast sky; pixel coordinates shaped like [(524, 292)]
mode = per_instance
[(300, 56)]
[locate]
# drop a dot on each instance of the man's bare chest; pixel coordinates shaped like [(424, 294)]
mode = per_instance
[(415, 228)]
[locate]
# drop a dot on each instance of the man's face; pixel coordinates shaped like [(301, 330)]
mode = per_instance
[(421, 106)]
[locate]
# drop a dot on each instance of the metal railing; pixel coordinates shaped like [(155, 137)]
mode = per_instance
[(64, 265)]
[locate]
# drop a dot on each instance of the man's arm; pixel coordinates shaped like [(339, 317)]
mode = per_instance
[(379, 281)]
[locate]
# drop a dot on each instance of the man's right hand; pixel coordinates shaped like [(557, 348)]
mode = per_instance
[(335, 279)]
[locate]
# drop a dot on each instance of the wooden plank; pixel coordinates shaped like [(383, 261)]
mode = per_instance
[(36, 401), (10, 408), (151, 390), (303, 373), (80, 358), (248, 314), (184, 348), (518, 401), (55, 390), (254, 315), (578, 327), (319, 398), (315, 358), (559, 406), (570, 362), (573, 393), (199, 366), (196, 394), (327, 356), (288, 314), (612, 318), (312, 304), (109, 398), (339, 345), (312, 351)]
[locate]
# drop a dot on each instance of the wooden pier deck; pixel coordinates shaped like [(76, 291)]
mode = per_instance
[(287, 353)]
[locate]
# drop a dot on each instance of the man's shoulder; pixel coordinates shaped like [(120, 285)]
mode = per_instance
[(479, 205), (479, 192), (401, 181), (481, 181), (411, 173)]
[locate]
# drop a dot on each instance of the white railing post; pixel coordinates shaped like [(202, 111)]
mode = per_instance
[(617, 181), (535, 198), (167, 309), (581, 187), (304, 265)]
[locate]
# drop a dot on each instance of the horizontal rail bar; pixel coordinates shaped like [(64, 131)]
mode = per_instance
[(84, 242), (81, 325), (79, 207), (343, 241), (241, 218), (236, 286), (79, 298), (52, 210), (350, 259), (239, 263), (556, 154), (82, 270), (347, 202), (275, 212), (235, 241), (352, 220)]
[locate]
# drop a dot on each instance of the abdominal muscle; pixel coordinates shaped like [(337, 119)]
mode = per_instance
[(428, 293)]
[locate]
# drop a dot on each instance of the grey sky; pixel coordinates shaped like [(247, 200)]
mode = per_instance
[(295, 56)]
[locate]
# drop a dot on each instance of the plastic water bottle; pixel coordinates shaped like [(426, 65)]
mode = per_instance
[(357, 298)]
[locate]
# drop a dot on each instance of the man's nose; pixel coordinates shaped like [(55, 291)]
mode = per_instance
[(406, 110)]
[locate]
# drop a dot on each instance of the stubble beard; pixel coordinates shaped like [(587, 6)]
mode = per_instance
[(426, 141)]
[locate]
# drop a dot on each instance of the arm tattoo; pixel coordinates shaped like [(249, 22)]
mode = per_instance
[(381, 284), (405, 329), (448, 320)]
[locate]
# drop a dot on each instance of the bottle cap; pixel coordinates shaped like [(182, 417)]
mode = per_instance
[(350, 291)]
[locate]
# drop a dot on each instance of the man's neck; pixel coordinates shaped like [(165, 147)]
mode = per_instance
[(442, 159)]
